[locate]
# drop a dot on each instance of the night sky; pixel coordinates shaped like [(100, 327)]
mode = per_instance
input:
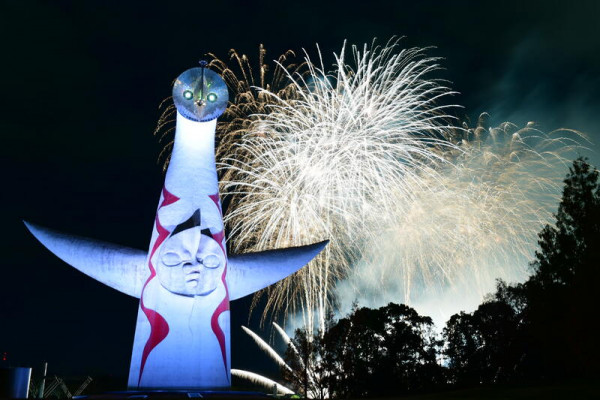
[(81, 85)]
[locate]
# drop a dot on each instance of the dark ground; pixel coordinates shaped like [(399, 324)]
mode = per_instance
[(558, 391)]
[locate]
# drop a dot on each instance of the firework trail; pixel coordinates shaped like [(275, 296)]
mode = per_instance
[(311, 373), (476, 222), (266, 348), (260, 380), (325, 162), (287, 340)]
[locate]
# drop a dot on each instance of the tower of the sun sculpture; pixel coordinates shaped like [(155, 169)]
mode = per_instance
[(186, 279)]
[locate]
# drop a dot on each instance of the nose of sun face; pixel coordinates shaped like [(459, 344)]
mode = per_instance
[(200, 94)]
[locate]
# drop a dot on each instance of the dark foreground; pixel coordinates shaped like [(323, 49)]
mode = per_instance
[(562, 391), (559, 391)]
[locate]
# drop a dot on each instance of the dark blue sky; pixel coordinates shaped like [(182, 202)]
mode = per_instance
[(81, 83)]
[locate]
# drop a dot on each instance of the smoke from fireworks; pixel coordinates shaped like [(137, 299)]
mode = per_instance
[(477, 222)]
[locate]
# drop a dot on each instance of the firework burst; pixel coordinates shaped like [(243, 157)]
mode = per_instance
[(325, 162), (252, 89)]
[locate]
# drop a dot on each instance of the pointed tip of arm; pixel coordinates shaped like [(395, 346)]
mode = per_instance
[(251, 272), (119, 267)]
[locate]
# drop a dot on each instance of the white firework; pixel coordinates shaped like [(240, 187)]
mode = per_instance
[(416, 211), (330, 161)]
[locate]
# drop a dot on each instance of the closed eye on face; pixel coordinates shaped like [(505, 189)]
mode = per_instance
[(171, 259), (210, 261)]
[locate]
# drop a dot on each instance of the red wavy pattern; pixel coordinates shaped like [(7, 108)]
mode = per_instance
[(224, 305), (159, 328)]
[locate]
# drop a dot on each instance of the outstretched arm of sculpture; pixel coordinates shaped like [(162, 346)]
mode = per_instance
[(250, 272), (119, 267)]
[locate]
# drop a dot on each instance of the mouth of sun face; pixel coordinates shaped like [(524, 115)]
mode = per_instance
[(192, 279)]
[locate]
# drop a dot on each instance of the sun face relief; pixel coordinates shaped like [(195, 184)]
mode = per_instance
[(190, 261)]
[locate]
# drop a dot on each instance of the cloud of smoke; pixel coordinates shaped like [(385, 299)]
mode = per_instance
[(441, 250), (538, 84)]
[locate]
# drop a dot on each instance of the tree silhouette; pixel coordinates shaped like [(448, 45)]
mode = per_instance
[(542, 328), (569, 253), (371, 352), (483, 347), (561, 293)]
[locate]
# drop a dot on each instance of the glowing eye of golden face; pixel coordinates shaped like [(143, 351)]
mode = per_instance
[(188, 95), (212, 97)]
